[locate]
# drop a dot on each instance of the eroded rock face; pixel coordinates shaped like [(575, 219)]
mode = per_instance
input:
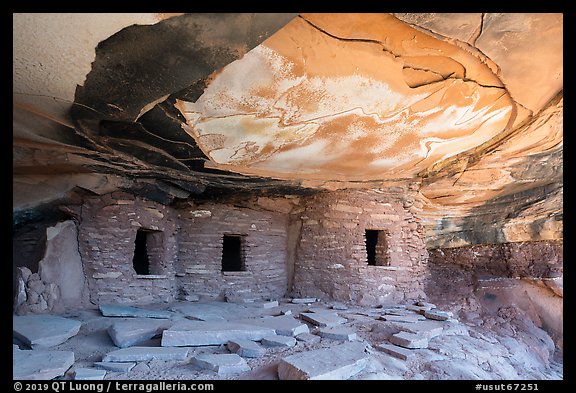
[(507, 41), (318, 100), (532, 259), (285, 110), (527, 276)]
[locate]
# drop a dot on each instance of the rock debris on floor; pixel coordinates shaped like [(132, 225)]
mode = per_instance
[(219, 340)]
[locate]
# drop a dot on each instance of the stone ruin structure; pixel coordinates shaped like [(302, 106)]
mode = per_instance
[(345, 246)]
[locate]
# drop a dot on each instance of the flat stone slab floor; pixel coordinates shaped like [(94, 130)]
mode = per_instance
[(336, 363), (197, 333), (142, 354), (43, 331), (40, 364)]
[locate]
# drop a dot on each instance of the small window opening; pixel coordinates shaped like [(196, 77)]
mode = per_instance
[(149, 253), (141, 261), (377, 248), (233, 253)]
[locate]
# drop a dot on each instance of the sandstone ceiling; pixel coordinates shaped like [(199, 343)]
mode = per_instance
[(460, 113)]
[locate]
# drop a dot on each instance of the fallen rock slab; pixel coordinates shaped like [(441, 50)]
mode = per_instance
[(418, 309), (396, 351), (284, 325), (40, 364), (113, 310), (216, 310), (246, 348), (322, 319), (89, 374), (192, 298), (278, 341), (43, 331), (452, 328), (221, 363), (196, 333), (122, 367), (132, 332), (427, 328), (270, 304), (402, 318), (201, 312), (409, 340), (429, 306), (338, 333), (308, 338), (141, 368), (142, 354), (398, 309), (336, 363), (437, 315), (395, 311), (304, 300)]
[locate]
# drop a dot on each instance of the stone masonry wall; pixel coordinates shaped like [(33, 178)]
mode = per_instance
[(107, 233), (199, 271), (540, 259), (185, 248), (331, 257)]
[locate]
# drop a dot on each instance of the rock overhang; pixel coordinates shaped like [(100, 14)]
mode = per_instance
[(279, 104)]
